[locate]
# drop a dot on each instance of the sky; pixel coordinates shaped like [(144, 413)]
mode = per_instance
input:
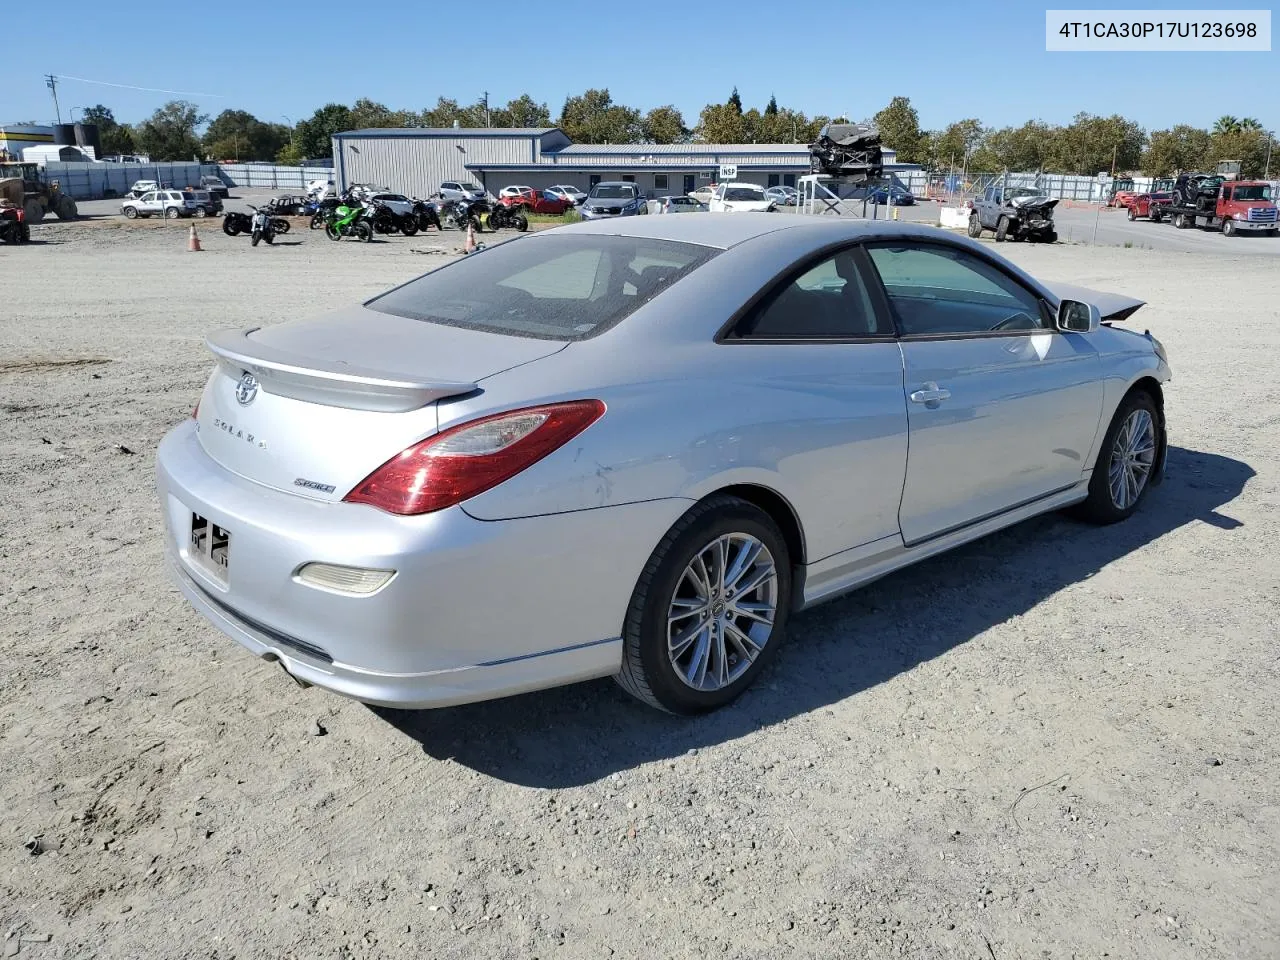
[(984, 60)]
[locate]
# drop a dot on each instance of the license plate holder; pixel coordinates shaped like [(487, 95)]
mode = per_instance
[(209, 547)]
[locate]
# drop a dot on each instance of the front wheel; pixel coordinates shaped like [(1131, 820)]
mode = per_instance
[(709, 610), (332, 232), (317, 222), (1228, 228), (408, 226), (257, 235), (975, 226), (131, 213), (1132, 214), (230, 227), (520, 222), (1128, 461), (1002, 229), (280, 224)]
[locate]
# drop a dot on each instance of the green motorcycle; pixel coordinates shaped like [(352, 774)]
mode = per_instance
[(349, 220)]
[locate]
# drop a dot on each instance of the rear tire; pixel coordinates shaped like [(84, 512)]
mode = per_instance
[(1002, 229), (201, 212), (723, 649), (66, 208), (363, 232), (1132, 214), (975, 226), (408, 226), (1130, 453), (230, 227), (171, 213), (520, 222)]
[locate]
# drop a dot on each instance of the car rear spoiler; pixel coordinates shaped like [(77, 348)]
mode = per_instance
[(1114, 307), (331, 382)]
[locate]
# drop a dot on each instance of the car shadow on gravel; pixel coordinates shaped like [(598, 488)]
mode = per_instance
[(578, 734)]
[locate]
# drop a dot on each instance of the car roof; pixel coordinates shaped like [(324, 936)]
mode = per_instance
[(725, 230)]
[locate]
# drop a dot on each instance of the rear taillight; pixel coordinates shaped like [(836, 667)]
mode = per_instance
[(468, 459)]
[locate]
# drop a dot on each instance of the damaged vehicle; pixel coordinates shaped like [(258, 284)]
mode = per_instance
[(1014, 213), (850, 151)]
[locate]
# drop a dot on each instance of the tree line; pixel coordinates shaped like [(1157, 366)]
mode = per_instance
[(1088, 145)]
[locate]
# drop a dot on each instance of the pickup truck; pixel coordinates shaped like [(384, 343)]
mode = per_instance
[(1014, 213)]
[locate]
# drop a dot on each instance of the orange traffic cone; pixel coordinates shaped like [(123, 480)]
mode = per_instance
[(470, 245), (193, 241)]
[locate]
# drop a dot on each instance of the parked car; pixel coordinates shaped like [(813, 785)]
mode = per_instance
[(564, 191), (647, 501), (533, 201), (206, 202), (461, 190), (703, 193), (160, 203), (397, 203), (215, 186), (611, 198), (895, 195), (676, 205), (145, 186), (740, 198), (783, 196)]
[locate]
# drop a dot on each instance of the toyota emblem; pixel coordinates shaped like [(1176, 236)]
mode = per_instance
[(246, 389)]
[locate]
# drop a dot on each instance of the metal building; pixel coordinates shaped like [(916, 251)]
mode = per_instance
[(414, 160)]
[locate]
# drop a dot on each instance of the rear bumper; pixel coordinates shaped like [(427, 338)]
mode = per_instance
[(476, 609)]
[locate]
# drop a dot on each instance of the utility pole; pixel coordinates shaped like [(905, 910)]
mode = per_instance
[(51, 82), (1114, 150), (1266, 174)]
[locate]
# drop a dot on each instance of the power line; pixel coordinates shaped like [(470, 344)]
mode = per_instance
[(129, 86)]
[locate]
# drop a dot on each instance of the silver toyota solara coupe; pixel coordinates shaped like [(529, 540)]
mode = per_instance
[(631, 448)]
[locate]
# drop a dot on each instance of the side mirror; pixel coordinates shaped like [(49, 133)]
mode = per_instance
[(1077, 317)]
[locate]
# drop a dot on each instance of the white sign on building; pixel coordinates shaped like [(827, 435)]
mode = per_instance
[(728, 171)]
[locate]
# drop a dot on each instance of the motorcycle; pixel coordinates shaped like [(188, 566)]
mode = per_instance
[(504, 216), (234, 224), (427, 214), (322, 211), (262, 226), (349, 219), (461, 214), (386, 220)]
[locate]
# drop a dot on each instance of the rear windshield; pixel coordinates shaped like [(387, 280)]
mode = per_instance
[(742, 194), (546, 288)]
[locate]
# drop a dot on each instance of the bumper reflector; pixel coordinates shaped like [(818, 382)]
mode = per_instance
[(354, 580)]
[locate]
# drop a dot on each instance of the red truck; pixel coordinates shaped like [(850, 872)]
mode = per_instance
[(1232, 206), (1153, 203)]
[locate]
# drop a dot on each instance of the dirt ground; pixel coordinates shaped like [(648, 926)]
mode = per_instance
[(1059, 742)]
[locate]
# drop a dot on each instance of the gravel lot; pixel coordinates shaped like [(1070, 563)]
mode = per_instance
[(1058, 742)]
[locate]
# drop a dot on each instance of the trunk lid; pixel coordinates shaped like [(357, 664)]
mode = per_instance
[(313, 407)]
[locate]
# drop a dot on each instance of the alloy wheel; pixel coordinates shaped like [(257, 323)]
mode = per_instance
[(722, 612), (1132, 457)]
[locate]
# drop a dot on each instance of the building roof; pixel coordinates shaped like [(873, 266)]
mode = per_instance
[(683, 149), (373, 132)]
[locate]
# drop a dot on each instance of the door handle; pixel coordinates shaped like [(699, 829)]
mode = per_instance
[(931, 393)]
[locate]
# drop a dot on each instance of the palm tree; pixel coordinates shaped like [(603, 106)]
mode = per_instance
[(1226, 124), (1249, 123)]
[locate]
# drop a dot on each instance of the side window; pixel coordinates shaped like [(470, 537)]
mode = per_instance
[(936, 290), (826, 300), (1226, 193)]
